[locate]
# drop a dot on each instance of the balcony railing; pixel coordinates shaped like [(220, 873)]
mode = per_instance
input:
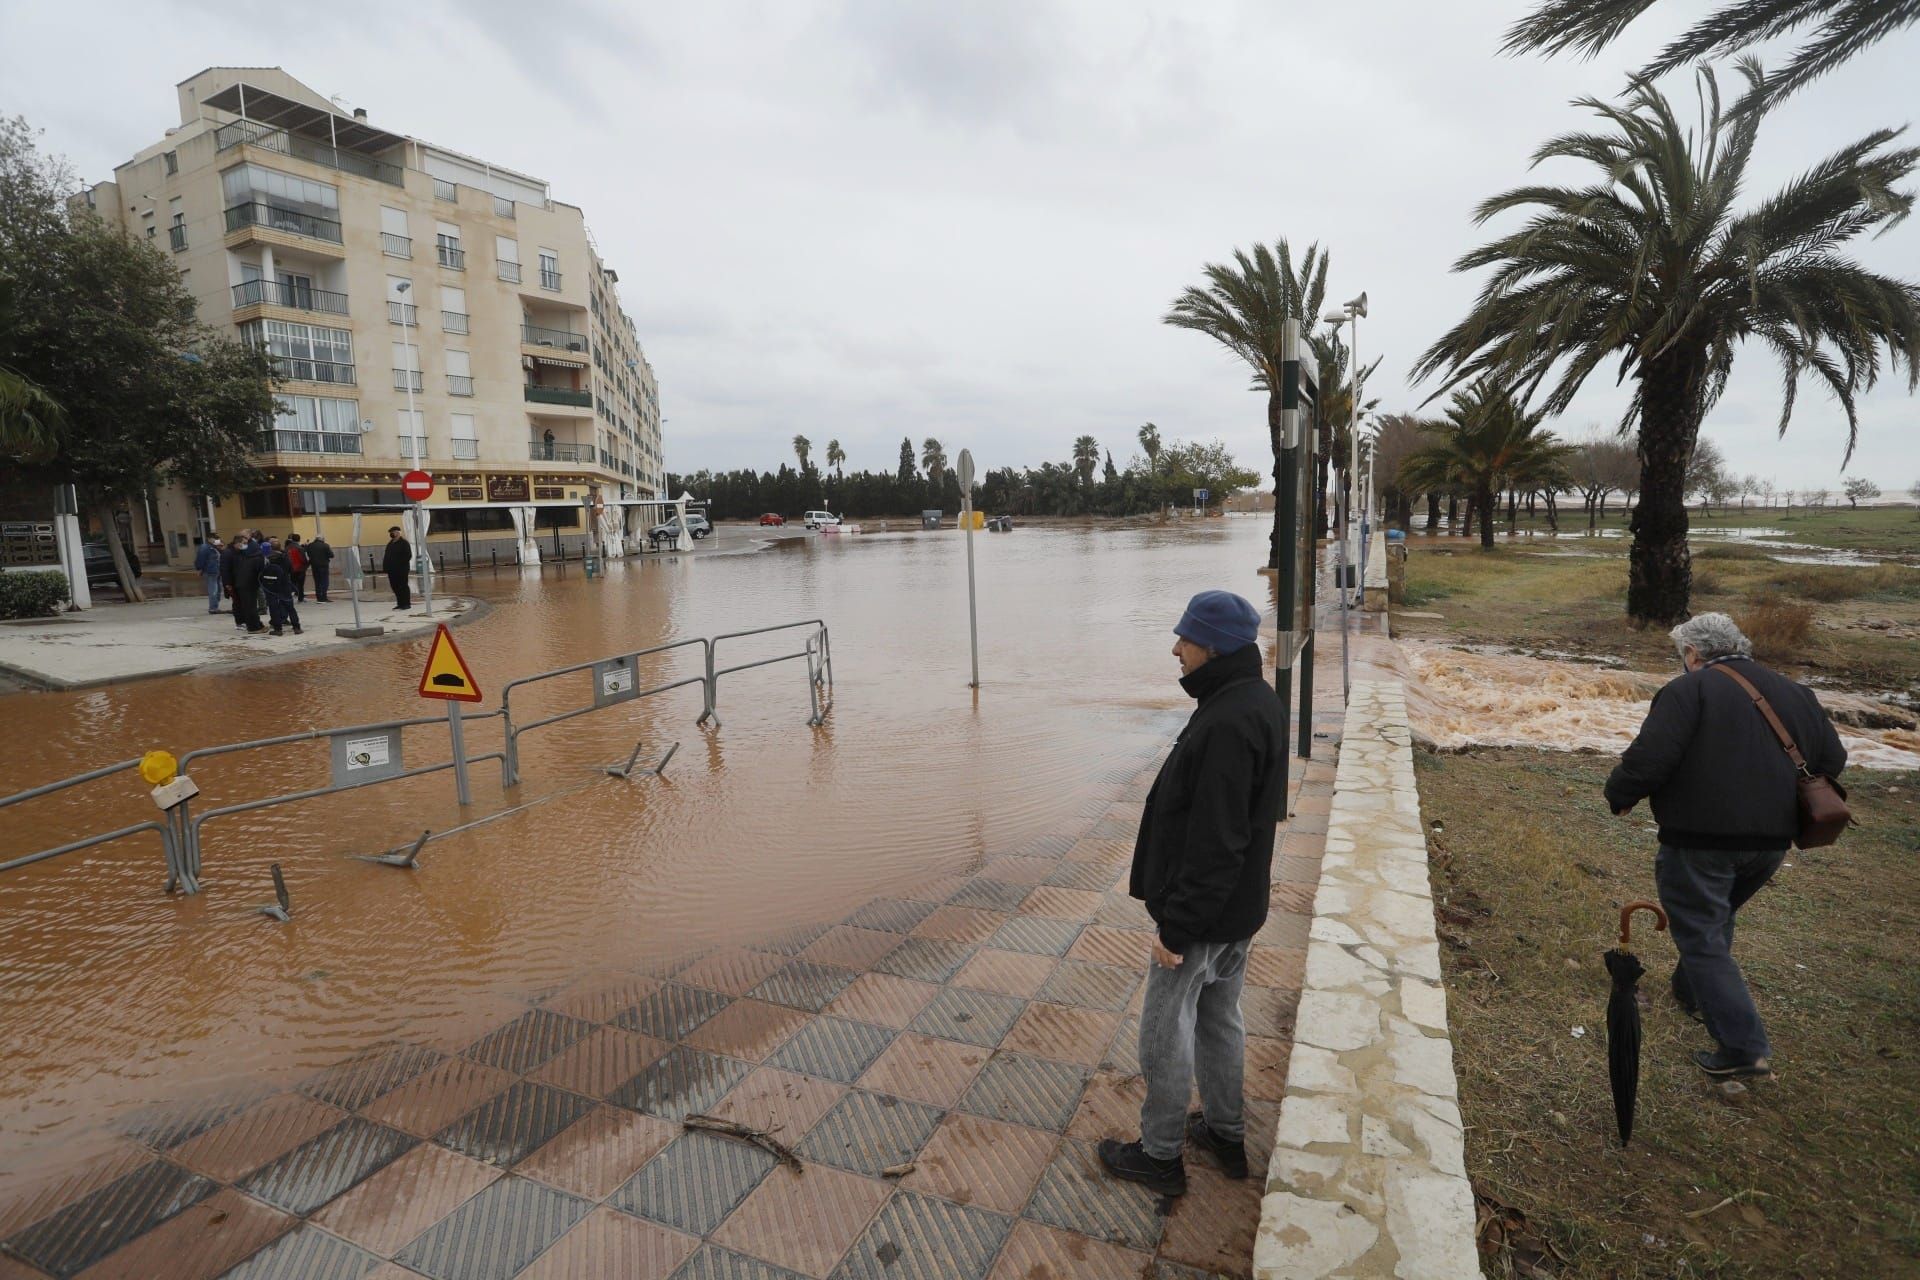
[(465, 450), (509, 271), (538, 336), (401, 378), (444, 190), (312, 150), (550, 280), (559, 395), (458, 385), (453, 321), (177, 237), (258, 213), (396, 246), (297, 369), (309, 442), (413, 448), (402, 313), (503, 207), (542, 451), (300, 297), (452, 257)]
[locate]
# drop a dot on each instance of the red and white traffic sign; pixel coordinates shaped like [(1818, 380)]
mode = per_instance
[(416, 486)]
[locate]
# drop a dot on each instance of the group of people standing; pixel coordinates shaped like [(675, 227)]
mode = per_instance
[(261, 573)]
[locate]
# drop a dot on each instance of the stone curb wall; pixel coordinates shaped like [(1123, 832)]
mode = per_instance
[(1373, 583), (1368, 1177)]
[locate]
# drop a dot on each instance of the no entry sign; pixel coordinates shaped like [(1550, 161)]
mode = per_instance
[(416, 486)]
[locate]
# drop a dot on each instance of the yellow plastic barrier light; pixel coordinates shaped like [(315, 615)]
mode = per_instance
[(158, 767)]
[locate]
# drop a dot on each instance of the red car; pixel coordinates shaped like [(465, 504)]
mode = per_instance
[(773, 517)]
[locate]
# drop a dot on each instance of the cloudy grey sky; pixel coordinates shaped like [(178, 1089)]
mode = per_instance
[(868, 220)]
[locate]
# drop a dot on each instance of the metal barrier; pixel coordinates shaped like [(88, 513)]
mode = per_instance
[(818, 654), (615, 680), (167, 825)]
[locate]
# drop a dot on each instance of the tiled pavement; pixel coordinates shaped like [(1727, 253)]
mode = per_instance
[(976, 1031)]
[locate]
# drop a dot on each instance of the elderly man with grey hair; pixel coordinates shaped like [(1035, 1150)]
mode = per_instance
[(1722, 790)]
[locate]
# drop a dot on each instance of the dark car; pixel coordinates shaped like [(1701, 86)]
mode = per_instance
[(100, 570)]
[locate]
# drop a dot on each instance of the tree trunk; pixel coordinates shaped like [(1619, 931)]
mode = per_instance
[(1453, 514), (1592, 503), (1513, 510), (1553, 515), (1659, 568), (1485, 501), (1433, 511), (103, 512)]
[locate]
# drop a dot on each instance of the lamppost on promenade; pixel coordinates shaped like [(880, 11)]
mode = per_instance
[(1350, 313), (411, 372)]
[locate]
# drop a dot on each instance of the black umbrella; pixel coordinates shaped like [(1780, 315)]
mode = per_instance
[(1623, 1019)]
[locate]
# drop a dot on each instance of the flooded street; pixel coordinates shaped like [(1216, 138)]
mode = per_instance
[(120, 998)]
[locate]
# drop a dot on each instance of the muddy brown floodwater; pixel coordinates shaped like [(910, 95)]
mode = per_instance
[(120, 999)]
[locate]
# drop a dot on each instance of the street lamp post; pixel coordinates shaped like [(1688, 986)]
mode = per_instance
[(1350, 313), (413, 442)]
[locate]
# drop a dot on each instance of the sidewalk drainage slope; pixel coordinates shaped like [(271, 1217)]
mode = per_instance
[(1368, 1176)]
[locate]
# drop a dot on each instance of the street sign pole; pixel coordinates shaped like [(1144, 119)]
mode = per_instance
[(966, 522), (456, 736)]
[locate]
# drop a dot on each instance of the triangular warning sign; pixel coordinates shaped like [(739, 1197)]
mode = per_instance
[(447, 675)]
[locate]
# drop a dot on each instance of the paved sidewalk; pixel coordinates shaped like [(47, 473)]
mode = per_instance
[(115, 642), (941, 1061)]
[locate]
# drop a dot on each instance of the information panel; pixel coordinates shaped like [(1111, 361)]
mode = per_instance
[(366, 755), (613, 681)]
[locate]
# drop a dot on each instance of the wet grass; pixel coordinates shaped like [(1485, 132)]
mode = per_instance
[(1885, 530), (1816, 1174)]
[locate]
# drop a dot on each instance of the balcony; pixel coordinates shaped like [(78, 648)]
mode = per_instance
[(541, 451), (550, 280), (413, 448), (402, 382), (404, 313), (503, 207), (508, 271), (452, 257), (254, 134), (177, 237), (453, 322), (447, 191), (274, 217), (458, 385), (559, 395), (396, 246), (465, 450), (325, 442), (251, 293), (297, 369), (534, 335)]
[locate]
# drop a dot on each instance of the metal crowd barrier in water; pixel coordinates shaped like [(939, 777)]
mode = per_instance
[(368, 754)]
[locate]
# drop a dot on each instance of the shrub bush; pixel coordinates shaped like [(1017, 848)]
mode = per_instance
[(1778, 629), (32, 593)]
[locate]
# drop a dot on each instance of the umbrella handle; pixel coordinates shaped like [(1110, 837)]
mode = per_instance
[(1626, 916)]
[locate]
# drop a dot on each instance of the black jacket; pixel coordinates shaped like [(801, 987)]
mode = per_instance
[(399, 557), (276, 574), (319, 553), (1204, 856), (246, 572), (1717, 775), (229, 556)]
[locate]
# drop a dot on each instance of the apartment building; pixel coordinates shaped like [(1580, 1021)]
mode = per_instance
[(424, 309)]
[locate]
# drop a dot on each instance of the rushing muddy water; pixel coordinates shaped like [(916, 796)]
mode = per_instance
[(119, 998)]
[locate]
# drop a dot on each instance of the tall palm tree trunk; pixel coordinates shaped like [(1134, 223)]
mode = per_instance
[(1485, 501), (1433, 511), (1659, 568)]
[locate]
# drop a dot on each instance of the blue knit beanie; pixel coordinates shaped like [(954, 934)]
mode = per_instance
[(1220, 620)]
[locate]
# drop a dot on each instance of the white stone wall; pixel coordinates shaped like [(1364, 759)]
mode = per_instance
[(1368, 1177)]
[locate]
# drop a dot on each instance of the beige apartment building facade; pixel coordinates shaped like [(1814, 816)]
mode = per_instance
[(422, 308)]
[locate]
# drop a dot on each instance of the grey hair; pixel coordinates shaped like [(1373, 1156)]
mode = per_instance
[(1713, 635)]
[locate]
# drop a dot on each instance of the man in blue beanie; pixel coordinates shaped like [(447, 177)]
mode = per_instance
[(1202, 863)]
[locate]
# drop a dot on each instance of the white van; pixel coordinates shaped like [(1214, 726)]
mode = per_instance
[(821, 519)]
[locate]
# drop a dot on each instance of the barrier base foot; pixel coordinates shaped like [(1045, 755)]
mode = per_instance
[(274, 911), (359, 633), (408, 857)]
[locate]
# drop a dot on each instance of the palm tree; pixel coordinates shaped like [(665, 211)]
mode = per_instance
[(1245, 307), (1652, 266), (934, 459), (1842, 29), (1487, 443), (1086, 456), (28, 417), (1150, 445), (802, 447), (836, 456)]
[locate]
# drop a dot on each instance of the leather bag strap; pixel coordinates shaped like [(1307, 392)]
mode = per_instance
[(1766, 709)]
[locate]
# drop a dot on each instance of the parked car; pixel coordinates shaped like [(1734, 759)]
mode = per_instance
[(773, 517), (100, 571), (1000, 524), (821, 519), (696, 525)]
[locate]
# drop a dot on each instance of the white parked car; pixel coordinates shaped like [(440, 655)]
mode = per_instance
[(821, 519)]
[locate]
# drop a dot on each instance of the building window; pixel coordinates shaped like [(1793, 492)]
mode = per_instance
[(315, 424), (503, 207), (506, 256), (459, 374), (549, 269), (447, 240), (444, 190), (406, 367), (258, 196), (399, 310), (413, 435), (395, 241), (304, 352), (466, 440), (172, 159)]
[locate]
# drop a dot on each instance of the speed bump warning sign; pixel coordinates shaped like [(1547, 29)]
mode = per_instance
[(447, 675)]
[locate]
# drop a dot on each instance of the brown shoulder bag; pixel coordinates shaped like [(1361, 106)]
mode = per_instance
[(1823, 802)]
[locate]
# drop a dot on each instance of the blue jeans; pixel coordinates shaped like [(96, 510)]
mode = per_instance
[(214, 592), (1191, 1033), (1701, 890), (281, 610)]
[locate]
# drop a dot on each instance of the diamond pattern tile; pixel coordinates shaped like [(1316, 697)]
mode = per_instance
[(599, 1153), (203, 1239), (714, 1263), (1090, 986), (529, 1041), (1123, 1051), (804, 1222), (870, 1132), (695, 1182), (506, 1129), (920, 1237), (1034, 1250), (802, 984), (266, 1131), (1067, 1035), (672, 1011), (1110, 1108), (1118, 911), (612, 1246), (833, 1049), (925, 959), (402, 1200), (434, 1099), (990, 894), (1268, 1011), (792, 942), (732, 971), (1117, 948), (851, 947), (1276, 966), (598, 997), (896, 914), (973, 1160), (306, 1253), (602, 1062), (1061, 904), (1075, 1194), (780, 1103), (167, 1127), (971, 925), (972, 1017), (1010, 973), (496, 1233), (926, 1069), (1094, 876), (1024, 1090), (683, 1082), (1036, 934), (358, 1081), (1018, 870), (314, 1173), (882, 999), (1211, 1228), (747, 1028), (120, 1158), (1266, 1067), (939, 889)]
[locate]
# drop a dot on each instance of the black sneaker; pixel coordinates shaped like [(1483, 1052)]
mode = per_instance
[(1725, 1064), (1129, 1162), (276, 632), (1232, 1156), (297, 631)]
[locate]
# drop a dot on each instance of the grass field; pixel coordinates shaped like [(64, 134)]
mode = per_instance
[(1815, 1174), (1884, 530)]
